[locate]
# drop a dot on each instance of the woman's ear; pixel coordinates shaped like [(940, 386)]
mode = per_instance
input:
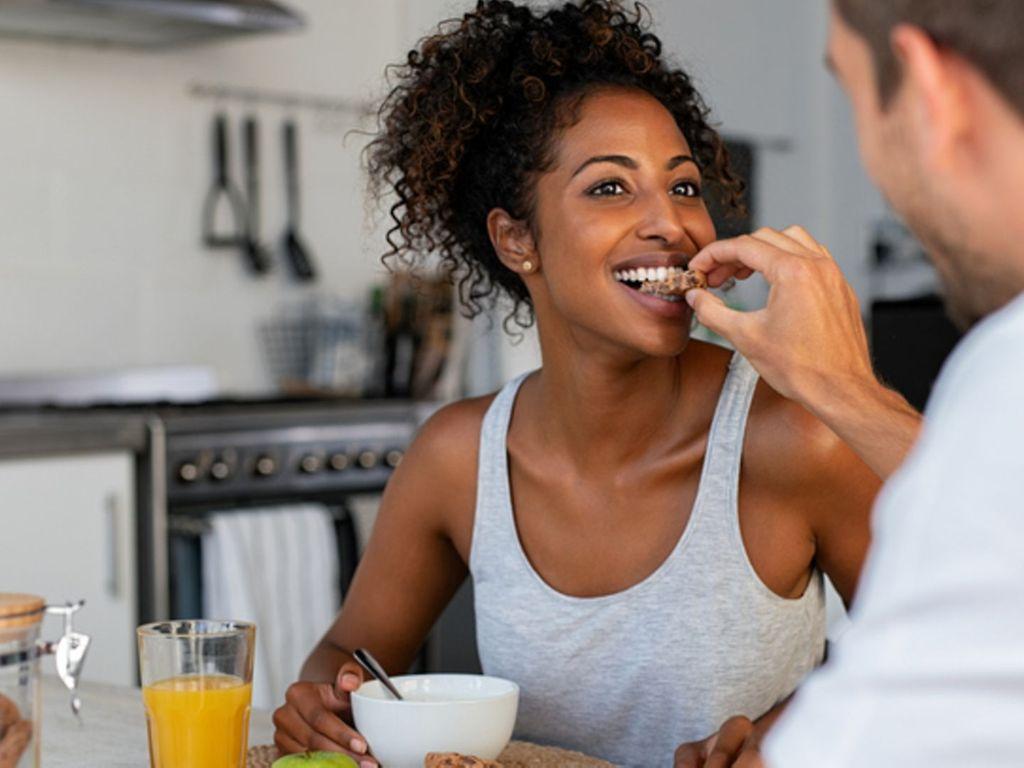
[(513, 242)]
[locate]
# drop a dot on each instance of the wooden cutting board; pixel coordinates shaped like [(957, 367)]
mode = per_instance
[(518, 754)]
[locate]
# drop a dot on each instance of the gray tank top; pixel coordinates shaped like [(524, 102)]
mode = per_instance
[(627, 677)]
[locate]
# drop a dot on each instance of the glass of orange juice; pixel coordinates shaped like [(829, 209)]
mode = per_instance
[(197, 690)]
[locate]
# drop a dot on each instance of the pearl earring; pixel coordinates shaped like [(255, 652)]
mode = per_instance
[(527, 266)]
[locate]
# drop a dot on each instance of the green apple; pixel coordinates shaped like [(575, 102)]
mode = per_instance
[(315, 760)]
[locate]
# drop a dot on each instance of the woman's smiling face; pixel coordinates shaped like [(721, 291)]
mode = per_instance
[(623, 194)]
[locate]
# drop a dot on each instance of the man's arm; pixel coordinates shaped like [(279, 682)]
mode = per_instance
[(808, 342), (737, 744), (878, 424)]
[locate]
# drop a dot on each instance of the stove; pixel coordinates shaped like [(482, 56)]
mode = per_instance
[(258, 452)]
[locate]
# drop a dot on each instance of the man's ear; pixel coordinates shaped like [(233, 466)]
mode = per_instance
[(933, 78), (513, 242)]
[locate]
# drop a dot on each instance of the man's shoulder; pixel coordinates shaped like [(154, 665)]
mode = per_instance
[(984, 377)]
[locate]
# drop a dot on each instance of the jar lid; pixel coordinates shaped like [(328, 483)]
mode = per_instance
[(18, 610)]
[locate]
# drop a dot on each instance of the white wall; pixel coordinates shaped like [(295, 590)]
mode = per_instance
[(104, 162), (760, 67)]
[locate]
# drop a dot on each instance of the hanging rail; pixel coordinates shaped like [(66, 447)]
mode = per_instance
[(286, 99)]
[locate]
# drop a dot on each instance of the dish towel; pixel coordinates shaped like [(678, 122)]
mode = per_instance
[(277, 567)]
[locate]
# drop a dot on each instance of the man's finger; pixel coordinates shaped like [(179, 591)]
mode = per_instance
[(731, 738), (737, 252), (714, 315), (690, 755), (749, 759), (722, 275), (802, 236)]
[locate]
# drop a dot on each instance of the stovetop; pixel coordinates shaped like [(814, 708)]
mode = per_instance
[(237, 449)]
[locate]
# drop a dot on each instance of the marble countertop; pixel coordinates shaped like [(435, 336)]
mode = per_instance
[(112, 731)]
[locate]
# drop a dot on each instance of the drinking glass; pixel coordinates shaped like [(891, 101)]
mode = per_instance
[(197, 690)]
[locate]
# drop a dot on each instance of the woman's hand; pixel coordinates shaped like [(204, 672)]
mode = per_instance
[(318, 716), (736, 745)]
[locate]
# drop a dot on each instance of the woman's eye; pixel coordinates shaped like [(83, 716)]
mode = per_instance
[(687, 189), (606, 189)]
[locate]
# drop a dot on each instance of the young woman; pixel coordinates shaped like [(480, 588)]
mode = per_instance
[(646, 524)]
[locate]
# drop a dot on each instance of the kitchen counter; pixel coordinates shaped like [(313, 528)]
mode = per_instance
[(52, 431), (112, 731)]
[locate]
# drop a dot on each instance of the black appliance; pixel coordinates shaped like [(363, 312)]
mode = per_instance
[(910, 340), (233, 455), (236, 455)]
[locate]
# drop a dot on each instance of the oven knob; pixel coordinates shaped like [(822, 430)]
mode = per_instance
[(368, 459), (339, 461), (220, 470), (393, 457), (188, 472), (265, 466), (310, 464)]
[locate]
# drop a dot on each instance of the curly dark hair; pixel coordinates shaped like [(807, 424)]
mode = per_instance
[(472, 118)]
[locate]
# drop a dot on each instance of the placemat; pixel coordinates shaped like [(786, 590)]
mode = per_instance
[(518, 754)]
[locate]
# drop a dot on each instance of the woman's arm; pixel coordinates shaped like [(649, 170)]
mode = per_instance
[(409, 572), (816, 476)]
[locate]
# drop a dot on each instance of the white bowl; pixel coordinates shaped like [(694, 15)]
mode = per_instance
[(469, 714)]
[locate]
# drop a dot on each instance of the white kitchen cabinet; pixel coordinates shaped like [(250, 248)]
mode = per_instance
[(67, 531)]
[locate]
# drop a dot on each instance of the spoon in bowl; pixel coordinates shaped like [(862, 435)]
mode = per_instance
[(371, 665)]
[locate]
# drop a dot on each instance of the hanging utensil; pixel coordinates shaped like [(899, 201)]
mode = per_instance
[(295, 250), (223, 188), (257, 257)]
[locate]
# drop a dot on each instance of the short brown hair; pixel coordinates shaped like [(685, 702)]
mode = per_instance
[(988, 33)]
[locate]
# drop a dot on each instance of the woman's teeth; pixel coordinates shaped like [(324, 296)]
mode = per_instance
[(642, 274), (636, 277)]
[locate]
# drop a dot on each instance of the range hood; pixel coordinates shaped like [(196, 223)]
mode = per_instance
[(143, 23)]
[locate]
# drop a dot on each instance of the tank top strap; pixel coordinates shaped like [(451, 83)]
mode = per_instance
[(493, 526), (720, 476)]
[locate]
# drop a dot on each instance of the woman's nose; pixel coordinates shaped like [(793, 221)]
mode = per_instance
[(661, 220)]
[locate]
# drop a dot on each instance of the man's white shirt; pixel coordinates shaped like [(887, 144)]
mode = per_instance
[(931, 672)]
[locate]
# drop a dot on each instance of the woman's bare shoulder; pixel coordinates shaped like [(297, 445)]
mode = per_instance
[(791, 450), (786, 440), (451, 436), (438, 475)]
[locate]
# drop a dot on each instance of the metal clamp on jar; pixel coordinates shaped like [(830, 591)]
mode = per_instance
[(21, 618)]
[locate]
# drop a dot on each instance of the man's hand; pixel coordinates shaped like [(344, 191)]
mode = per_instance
[(810, 333), (736, 745), (808, 342)]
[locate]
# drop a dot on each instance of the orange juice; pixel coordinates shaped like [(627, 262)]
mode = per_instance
[(198, 721)]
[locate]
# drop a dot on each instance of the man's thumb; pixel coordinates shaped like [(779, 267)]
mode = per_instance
[(712, 312)]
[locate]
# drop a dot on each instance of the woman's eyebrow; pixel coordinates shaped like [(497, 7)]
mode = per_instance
[(678, 160), (627, 162), (623, 160)]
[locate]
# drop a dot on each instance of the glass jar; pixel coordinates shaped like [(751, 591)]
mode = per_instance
[(21, 617)]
